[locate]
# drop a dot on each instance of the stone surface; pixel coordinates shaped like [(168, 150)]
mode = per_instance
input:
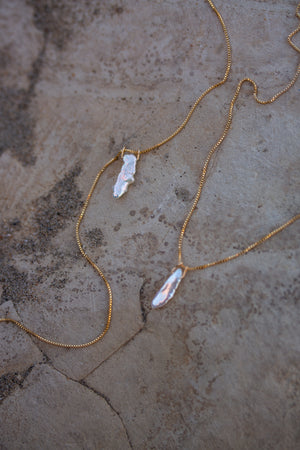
[(219, 367), (56, 412), (206, 387), (17, 352)]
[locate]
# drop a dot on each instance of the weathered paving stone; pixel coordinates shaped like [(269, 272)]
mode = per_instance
[(82, 326), (17, 350), (219, 366), (56, 412), (207, 387)]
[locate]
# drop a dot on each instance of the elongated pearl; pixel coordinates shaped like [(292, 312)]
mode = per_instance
[(166, 293), (126, 175)]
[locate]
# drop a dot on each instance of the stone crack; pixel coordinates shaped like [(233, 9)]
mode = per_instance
[(107, 400), (115, 351), (82, 382)]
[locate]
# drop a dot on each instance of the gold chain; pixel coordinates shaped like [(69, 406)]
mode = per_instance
[(217, 145), (202, 181), (94, 265), (204, 172), (208, 90)]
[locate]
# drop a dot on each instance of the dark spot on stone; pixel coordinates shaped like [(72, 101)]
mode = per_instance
[(115, 9), (34, 74), (132, 212), (117, 226), (16, 121), (50, 17), (5, 57), (111, 145), (52, 213), (16, 224), (25, 246), (161, 218), (144, 211), (57, 208), (16, 125), (7, 232), (10, 381), (145, 293), (182, 194), (94, 237), (16, 286), (58, 20), (59, 284)]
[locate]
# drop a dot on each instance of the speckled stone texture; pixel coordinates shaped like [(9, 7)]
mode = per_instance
[(219, 367)]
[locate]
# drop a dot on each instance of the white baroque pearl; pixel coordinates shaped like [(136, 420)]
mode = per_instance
[(166, 293), (126, 176)]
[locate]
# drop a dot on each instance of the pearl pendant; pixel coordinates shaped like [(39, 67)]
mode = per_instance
[(126, 175), (166, 293)]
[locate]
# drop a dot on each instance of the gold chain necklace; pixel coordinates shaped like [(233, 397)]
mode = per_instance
[(125, 178)]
